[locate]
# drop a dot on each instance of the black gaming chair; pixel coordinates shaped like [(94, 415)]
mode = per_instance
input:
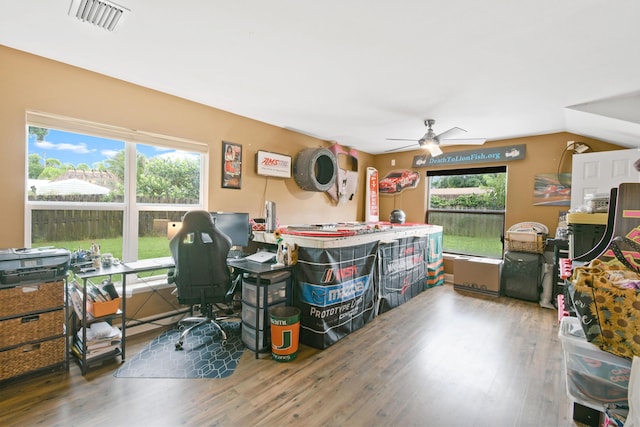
[(201, 274)]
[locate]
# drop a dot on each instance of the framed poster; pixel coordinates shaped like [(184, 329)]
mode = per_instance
[(273, 164), (552, 189), (231, 165)]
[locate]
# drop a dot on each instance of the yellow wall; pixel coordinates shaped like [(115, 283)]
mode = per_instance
[(32, 83), (542, 157)]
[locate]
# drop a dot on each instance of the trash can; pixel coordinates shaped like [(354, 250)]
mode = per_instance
[(285, 333)]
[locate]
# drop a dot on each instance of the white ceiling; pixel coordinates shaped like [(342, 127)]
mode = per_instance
[(360, 71)]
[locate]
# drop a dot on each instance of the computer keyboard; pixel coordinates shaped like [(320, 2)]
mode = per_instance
[(236, 253)]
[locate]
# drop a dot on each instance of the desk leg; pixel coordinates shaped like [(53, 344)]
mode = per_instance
[(124, 315), (259, 302)]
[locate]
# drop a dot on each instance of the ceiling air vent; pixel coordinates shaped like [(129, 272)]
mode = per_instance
[(101, 13)]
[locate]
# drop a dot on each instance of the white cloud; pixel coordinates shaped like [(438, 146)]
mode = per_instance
[(63, 146), (109, 153)]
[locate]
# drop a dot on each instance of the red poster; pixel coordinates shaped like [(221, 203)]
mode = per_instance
[(372, 211)]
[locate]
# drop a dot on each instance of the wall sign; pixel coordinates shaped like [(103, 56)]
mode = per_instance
[(482, 155), (371, 196), (231, 165), (272, 164)]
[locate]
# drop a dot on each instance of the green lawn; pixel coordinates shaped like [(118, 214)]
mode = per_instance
[(148, 247), (489, 247)]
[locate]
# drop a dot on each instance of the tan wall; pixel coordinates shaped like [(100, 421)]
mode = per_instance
[(542, 157), (32, 83)]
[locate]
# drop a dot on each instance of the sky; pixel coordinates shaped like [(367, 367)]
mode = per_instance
[(77, 148)]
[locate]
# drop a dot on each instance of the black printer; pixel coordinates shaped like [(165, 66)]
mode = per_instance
[(25, 265)]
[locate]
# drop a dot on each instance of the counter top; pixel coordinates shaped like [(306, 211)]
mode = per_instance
[(587, 218), (346, 235)]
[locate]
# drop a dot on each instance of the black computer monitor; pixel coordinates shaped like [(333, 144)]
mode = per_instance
[(235, 225)]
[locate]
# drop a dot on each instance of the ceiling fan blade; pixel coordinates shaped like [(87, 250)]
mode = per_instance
[(401, 139), (463, 141), (400, 148), (447, 134)]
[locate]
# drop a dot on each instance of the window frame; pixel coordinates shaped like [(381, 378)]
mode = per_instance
[(130, 207), (468, 171)]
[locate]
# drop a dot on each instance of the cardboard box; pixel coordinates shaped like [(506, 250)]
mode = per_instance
[(480, 275)]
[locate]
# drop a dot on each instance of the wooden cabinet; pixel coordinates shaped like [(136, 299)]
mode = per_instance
[(32, 328)]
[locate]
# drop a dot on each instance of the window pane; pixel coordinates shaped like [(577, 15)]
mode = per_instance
[(91, 180), (71, 167), (470, 233), (153, 239), (167, 176), (470, 205), (77, 230)]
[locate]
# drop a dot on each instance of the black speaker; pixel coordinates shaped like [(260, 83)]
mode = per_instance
[(521, 274)]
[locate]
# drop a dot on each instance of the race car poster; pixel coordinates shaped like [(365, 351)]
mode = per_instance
[(398, 180), (335, 292)]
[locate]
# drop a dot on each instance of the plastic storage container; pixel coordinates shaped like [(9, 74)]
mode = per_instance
[(275, 286), (276, 292), (594, 377), (249, 338), (249, 315)]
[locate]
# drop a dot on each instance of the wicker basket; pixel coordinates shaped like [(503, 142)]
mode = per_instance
[(31, 357), (28, 298), (535, 246), (31, 328)]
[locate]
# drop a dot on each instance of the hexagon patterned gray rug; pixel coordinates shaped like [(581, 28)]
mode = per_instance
[(201, 356)]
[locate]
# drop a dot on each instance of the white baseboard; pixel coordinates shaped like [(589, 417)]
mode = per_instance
[(448, 279)]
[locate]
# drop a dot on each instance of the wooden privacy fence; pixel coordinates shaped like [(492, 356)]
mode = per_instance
[(461, 223), (72, 225)]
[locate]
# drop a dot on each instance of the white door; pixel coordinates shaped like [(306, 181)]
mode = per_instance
[(598, 173)]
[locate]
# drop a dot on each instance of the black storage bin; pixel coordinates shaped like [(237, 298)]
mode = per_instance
[(521, 274), (583, 238)]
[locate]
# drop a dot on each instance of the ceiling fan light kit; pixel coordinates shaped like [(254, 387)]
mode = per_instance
[(432, 141), (434, 150)]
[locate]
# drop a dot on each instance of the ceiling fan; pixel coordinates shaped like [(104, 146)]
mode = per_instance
[(432, 142)]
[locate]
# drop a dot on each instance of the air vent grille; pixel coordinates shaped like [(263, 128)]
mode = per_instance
[(101, 13)]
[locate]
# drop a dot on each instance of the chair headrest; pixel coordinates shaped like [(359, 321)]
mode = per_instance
[(197, 220)]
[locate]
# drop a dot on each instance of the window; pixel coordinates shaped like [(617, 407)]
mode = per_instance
[(116, 187), (470, 205)]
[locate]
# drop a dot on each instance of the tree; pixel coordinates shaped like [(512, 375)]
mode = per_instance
[(40, 133), (52, 163), (35, 166), (169, 179)]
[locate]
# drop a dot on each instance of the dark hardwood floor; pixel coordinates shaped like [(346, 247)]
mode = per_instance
[(443, 359)]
